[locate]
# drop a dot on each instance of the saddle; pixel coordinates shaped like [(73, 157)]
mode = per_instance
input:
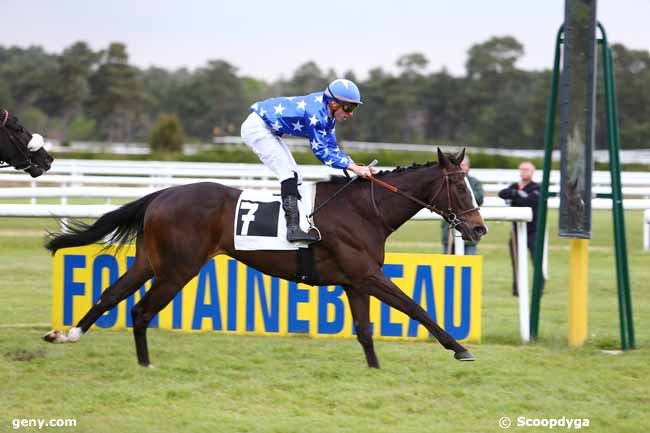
[(260, 224)]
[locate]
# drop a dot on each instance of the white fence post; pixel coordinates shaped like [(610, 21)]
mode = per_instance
[(646, 230), (459, 243), (522, 281)]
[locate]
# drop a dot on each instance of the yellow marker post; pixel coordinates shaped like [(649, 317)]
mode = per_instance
[(579, 278)]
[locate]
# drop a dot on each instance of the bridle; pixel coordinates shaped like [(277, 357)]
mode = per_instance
[(30, 164), (4, 116), (451, 215)]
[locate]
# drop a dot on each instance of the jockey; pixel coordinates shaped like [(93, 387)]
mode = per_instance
[(313, 116)]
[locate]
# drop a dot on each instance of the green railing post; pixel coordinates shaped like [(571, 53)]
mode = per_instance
[(613, 138), (542, 206), (615, 199), (622, 271)]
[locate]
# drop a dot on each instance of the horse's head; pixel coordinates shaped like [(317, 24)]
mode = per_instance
[(455, 200), (21, 149)]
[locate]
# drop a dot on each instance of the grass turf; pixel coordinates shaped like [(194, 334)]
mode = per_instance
[(212, 382)]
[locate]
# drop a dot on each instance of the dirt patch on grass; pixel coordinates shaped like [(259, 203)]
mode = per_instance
[(25, 355)]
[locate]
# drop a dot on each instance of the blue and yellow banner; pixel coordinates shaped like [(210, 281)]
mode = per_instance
[(228, 296)]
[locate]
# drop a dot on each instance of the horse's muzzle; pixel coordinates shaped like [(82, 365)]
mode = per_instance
[(472, 232), (34, 171), (41, 158), (479, 231), (41, 161)]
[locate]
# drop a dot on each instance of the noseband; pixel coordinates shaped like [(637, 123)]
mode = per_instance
[(450, 215)]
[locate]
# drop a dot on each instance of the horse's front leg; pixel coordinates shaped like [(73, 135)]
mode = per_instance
[(379, 286), (360, 306)]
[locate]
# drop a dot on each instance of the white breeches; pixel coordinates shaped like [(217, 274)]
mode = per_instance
[(272, 151)]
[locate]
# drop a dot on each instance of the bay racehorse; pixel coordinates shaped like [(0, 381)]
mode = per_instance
[(21, 149), (176, 230)]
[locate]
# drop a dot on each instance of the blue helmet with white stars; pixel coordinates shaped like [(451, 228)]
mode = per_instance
[(344, 90)]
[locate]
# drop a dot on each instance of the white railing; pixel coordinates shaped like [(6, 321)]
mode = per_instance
[(125, 189), (626, 156), (168, 169), (596, 203), (71, 172), (55, 210)]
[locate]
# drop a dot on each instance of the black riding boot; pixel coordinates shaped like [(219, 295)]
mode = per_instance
[(289, 191)]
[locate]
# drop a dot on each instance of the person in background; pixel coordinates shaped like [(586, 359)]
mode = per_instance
[(477, 189), (524, 193), (313, 116)]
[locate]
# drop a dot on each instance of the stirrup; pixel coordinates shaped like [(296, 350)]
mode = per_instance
[(298, 235), (312, 227)]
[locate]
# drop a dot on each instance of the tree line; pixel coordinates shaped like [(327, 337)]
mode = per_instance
[(82, 94)]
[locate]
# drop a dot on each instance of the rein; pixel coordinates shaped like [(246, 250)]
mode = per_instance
[(450, 215), (322, 205)]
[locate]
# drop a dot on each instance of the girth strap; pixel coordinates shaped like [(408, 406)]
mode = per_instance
[(305, 270)]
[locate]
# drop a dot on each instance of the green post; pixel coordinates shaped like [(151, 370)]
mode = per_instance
[(542, 206), (622, 272)]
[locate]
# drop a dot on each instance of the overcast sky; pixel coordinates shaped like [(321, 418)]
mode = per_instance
[(270, 39)]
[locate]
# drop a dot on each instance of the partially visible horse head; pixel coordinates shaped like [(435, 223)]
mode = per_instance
[(455, 198), (20, 148)]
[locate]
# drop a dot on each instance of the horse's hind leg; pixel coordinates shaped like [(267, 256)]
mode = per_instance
[(126, 285), (360, 307), (162, 292), (385, 290)]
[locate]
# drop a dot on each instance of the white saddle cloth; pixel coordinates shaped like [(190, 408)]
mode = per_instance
[(259, 220)]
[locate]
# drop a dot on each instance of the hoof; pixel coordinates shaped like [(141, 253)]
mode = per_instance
[(72, 335), (54, 336), (464, 356)]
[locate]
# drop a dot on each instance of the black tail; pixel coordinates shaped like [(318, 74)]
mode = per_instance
[(124, 224)]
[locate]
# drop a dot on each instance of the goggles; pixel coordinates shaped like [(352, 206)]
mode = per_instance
[(348, 107)]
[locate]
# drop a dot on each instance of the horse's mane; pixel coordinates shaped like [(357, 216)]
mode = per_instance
[(342, 179)]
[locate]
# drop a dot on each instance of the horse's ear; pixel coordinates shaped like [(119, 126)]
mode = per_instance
[(442, 158), (461, 156)]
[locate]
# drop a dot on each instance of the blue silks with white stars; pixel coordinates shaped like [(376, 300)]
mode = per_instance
[(305, 116)]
